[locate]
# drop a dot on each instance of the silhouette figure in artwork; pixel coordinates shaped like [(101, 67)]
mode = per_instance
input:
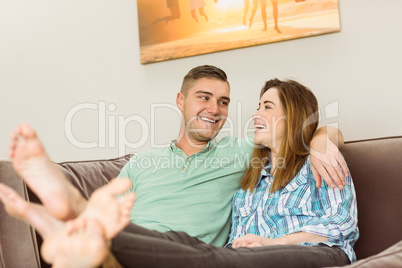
[(198, 4), (275, 13), (245, 11), (263, 4), (173, 5)]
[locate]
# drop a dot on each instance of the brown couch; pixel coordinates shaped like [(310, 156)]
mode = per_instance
[(376, 167)]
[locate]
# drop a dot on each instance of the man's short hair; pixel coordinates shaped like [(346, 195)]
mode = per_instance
[(204, 71)]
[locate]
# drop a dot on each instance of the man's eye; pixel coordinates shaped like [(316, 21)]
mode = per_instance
[(204, 98), (225, 103)]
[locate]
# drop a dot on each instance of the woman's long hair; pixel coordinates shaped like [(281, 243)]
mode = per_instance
[(300, 108)]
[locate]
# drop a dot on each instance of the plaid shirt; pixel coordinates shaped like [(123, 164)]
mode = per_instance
[(299, 207)]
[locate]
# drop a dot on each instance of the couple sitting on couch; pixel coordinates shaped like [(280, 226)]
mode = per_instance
[(279, 215)]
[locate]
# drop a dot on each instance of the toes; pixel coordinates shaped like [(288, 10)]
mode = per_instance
[(26, 131), (118, 186), (6, 193), (14, 136), (126, 201)]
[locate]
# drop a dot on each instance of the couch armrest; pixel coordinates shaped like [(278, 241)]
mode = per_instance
[(18, 244)]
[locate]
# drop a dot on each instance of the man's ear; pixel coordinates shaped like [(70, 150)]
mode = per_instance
[(180, 101)]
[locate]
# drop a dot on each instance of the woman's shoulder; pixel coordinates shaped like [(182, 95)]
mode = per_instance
[(305, 170), (303, 177)]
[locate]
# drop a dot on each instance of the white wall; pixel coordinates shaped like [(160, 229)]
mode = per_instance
[(55, 55)]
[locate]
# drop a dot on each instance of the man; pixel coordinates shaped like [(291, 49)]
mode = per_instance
[(187, 194)]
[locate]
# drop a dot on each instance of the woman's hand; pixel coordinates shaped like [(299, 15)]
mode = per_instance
[(251, 241)]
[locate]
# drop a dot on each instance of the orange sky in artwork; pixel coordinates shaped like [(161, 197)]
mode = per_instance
[(224, 26), (225, 4), (221, 14)]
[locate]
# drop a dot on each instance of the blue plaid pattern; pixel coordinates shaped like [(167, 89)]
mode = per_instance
[(299, 207)]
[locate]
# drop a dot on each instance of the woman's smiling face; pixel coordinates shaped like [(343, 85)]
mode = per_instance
[(269, 120)]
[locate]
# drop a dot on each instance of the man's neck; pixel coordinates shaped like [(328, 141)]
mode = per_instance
[(190, 147)]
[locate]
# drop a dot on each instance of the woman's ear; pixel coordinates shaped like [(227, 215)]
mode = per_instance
[(180, 101)]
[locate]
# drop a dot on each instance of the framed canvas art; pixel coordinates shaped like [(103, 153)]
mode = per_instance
[(171, 29)]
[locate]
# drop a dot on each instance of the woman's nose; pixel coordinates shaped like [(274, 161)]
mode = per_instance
[(256, 114)]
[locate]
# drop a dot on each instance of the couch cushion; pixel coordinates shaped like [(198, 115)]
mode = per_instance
[(87, 176)]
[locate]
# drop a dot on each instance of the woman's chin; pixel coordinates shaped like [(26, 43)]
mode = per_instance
[(260, 143)]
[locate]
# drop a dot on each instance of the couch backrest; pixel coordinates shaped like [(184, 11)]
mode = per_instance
[(376, 168)]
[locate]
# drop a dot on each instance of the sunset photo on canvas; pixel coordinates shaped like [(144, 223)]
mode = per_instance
[(171, 29)]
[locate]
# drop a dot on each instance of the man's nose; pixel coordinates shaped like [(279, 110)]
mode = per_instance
[(212, 108)]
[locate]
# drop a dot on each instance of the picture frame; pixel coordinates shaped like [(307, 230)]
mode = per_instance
[(172, 29)]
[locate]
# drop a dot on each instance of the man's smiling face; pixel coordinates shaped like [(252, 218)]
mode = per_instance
[(205, 109)]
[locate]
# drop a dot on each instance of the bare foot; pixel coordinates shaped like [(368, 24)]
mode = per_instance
[(110, 205), (107, 207), (34, 214), (277, 29), (30, 160), (81, 244)]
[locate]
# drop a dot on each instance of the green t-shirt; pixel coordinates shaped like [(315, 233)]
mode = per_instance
[(190, 194)]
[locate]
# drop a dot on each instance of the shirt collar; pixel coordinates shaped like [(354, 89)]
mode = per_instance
[(211, 145), (265, 172)]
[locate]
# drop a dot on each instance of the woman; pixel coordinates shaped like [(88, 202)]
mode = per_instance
[(279, 216), (278, 202)]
